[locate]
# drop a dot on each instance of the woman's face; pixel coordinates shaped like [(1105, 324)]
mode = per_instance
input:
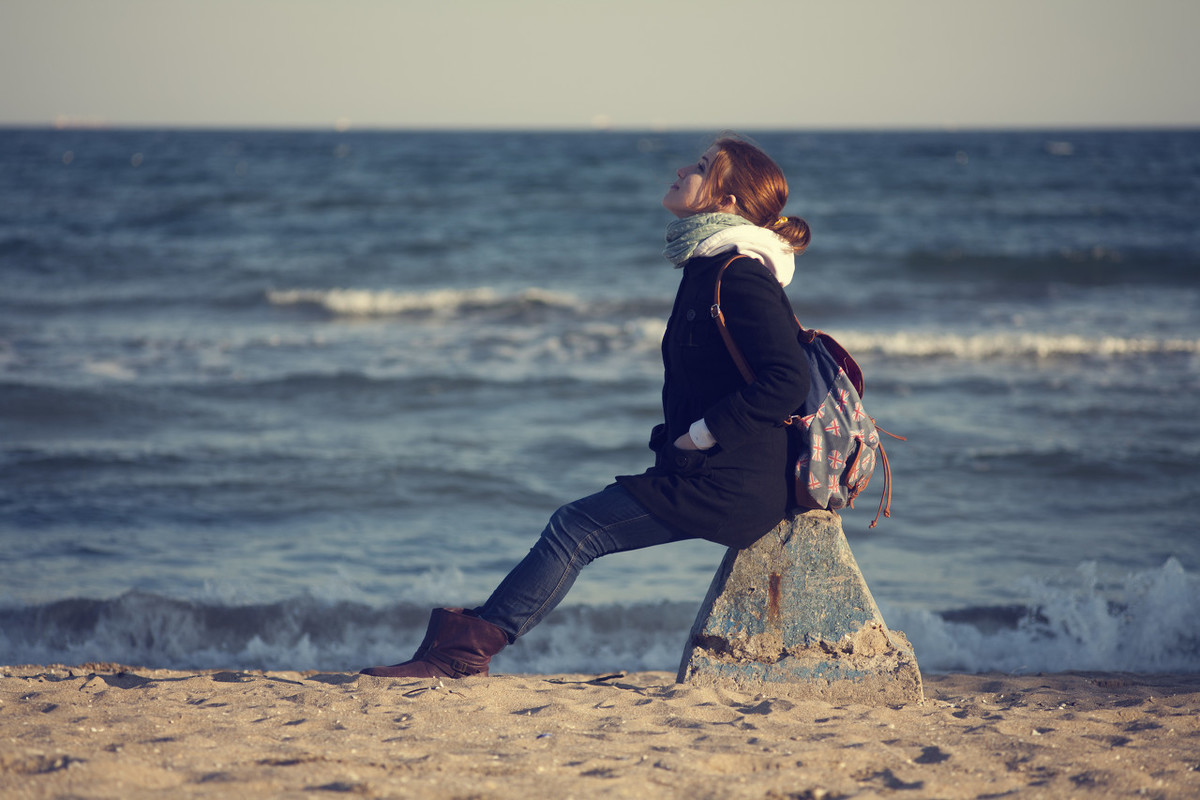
[(684, 198)]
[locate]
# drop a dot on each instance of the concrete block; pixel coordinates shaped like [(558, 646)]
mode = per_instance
[(792, 614)]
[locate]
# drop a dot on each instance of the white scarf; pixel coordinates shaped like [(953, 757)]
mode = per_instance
[(763, 245)]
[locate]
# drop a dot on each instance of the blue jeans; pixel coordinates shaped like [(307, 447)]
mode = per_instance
[(610, 521)]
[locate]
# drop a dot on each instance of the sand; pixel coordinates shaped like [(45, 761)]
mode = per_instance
[(104, 730)]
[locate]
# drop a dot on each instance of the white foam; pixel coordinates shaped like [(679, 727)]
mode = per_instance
[(382, 302), (985, 346), (1147, 621), (111, 370)]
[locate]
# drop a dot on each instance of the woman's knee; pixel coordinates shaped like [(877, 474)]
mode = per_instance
[(594, 526), (567, 532)]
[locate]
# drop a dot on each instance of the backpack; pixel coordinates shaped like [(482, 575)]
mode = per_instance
[(837, 441)]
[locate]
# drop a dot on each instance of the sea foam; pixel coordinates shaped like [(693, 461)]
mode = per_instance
[(988, 346), (382, 302), (1148, 621)]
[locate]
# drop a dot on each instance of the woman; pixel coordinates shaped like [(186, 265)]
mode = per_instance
[(721, 468)]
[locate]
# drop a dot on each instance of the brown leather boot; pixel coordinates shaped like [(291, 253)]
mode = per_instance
[(456, 645)]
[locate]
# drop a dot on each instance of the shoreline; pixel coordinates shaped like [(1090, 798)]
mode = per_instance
[(108, 730)]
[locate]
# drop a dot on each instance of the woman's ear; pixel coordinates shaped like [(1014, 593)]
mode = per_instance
[(727, 204)]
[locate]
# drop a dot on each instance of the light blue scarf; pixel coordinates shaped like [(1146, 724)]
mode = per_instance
[(683, 235)]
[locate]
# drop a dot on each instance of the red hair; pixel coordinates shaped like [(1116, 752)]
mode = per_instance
[(758, 186)]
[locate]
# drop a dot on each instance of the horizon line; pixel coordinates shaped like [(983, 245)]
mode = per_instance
[(72, 124)]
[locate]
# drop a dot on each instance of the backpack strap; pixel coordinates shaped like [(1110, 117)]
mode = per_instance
[(715, 311)]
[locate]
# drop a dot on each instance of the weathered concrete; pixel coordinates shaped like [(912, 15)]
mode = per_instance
[(793, 611)]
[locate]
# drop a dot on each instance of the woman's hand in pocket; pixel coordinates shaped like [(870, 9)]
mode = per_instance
[(685, 442), (685, 458)]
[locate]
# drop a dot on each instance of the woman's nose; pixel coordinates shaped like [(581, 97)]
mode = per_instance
[(679, 173)]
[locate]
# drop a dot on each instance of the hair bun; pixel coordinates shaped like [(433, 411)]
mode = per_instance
[(795, 230)]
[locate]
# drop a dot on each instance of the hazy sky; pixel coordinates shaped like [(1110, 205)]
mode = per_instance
[(577, 63)]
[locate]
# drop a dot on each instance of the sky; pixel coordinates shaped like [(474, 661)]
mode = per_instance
[(578, 64)]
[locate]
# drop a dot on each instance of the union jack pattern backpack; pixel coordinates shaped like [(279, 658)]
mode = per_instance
[(838, 441)]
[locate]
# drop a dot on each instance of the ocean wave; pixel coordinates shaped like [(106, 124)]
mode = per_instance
[(309, 633), (1058, 459), (1146, 622), (26, 408), (383, 302), (1078, 264), (991, 346)]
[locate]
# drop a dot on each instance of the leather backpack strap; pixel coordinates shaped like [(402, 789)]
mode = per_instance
[(719, 317)]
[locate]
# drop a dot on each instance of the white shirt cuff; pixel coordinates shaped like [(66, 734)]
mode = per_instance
[(701, 436)]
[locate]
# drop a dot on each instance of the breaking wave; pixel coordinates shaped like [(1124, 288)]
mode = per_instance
[(1146, 622), (990, 346), (368, 303)]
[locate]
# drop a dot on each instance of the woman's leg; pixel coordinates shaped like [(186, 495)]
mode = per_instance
[(610, 521)]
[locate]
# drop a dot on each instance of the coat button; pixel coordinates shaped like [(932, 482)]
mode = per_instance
[(681, 461), (691, 314)]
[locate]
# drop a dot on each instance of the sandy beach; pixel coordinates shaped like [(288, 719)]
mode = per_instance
[(106, 730)]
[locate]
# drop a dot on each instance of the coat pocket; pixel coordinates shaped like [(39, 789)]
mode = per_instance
[(685, 462)]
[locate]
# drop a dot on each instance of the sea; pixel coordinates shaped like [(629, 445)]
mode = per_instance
[(267, 396)]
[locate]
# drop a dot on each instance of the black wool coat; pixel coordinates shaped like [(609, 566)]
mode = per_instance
[(741, 488)]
